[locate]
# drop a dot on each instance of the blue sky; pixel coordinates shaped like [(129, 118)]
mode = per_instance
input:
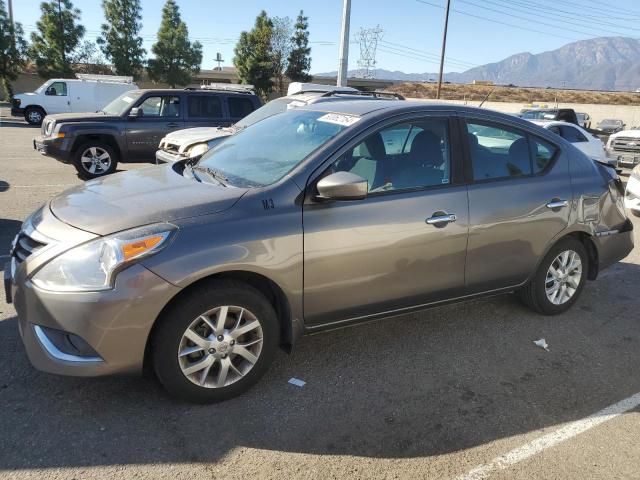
[(412, 28)]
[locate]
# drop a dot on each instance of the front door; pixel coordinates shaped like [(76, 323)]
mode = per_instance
[(519, 199), (402, 246), (161, 114), (58, 98)]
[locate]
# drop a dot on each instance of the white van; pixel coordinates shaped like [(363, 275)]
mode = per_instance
[(86, 93)]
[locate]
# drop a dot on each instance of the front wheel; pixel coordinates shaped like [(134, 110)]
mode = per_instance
[(34, 116), (559, 279), (215, 342), (95, 159)]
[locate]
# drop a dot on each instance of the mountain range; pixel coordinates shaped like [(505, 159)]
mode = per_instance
[(605, 63)]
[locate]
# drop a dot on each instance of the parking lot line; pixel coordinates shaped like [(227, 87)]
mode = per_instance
[(552, 439)]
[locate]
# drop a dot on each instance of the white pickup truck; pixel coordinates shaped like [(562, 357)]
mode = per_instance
[(87, 93), (623, 149)]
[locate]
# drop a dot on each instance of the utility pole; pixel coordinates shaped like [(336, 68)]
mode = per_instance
[(444, 46), (10, 3), (64, 60), (343, 66)]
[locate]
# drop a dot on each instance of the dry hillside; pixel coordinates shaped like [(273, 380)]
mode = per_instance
[(514, 94)]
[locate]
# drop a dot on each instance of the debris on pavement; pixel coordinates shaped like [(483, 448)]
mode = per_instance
[(297, 382), (542, 343)]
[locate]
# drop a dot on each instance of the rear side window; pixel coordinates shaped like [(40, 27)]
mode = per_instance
[(543, 153), (572, 135), (498, 151), (239, 107), (204, 106)]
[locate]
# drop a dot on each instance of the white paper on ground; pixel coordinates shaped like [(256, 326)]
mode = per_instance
[(297, 382), (542, 343)]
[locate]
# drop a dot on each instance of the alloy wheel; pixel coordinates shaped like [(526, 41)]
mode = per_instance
[(95, 160), (563, 277), (220, 346), (35, 116)]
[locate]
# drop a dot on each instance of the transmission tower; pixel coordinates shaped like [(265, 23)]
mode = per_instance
[(368, 39)]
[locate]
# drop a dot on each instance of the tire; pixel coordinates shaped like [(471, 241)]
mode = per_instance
[(196, 376), (90, 161), (635, 213), (34, 116), (535, 295)]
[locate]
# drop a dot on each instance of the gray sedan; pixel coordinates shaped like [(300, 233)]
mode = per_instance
[(315, 218)]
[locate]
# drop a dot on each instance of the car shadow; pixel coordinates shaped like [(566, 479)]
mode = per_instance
[(8, 230), (440, 381)]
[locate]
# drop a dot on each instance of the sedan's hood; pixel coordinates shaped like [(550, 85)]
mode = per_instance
[(82, 117), (140, 197), (190, 136), (626, 133)]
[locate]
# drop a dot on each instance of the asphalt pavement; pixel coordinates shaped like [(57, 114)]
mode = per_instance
[(453, 392)]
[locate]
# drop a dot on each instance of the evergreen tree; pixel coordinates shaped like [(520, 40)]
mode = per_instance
[(254, 56), (299, 62), (176, 58), (57, 37), (120, 41), (13, 49)]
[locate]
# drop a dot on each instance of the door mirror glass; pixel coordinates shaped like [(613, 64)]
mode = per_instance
[(342, 186), (136, 112)]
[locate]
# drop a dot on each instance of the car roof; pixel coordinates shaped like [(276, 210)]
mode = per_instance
[(160, 91), (552, 123)]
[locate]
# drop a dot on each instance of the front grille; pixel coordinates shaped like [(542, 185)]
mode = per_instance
[(25, 246), (626, 144)]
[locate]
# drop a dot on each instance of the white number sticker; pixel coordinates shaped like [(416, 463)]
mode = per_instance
[(339, 119)]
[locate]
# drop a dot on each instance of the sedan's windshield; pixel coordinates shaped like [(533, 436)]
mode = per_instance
[(120, 104), (540, 114), (266, 152), (278, 105), (609, 121)]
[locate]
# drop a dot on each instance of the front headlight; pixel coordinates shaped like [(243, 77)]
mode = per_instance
[(49, 128), (198, 150), (94, 265)]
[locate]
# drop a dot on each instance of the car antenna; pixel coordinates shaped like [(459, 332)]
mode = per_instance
[(486, 98)]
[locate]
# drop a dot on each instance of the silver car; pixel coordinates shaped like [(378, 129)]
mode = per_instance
[(315, 218)]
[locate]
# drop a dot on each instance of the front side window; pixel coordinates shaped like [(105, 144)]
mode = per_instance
[(266, 152), (204, 106), (410, 155), (57, 89), (161, 106), (239, 107), (498, 151)]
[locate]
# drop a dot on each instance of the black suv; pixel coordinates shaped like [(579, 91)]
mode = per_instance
[(130, 127)]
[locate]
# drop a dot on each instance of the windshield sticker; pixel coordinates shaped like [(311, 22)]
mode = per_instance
[(339, 119), (127, 99)]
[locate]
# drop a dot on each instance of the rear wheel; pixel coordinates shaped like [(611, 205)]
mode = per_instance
[(34, 115), (215, 343), (95, 159), (559, 279)]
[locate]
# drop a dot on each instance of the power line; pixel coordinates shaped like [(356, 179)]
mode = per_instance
[(429, 54), (526, 8), (586, 16), (425, 56), (462, 12), (605, 6)]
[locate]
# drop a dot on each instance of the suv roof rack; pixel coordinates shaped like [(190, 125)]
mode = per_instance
[(104, 78), (374, 94), (227, 87), (302, 87)]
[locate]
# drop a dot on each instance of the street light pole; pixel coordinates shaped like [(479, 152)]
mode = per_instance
[(344, 45), (444, 46)]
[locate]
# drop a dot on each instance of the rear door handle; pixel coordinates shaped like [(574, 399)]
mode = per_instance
[(557, 204), (441, 219), (173, 125)]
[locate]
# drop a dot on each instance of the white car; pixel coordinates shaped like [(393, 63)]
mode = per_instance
[(87, 93), (192, 143), (579, 137), (632, 195)]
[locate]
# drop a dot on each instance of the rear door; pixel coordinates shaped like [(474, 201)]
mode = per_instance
[(162, 113), (205, 110), (519, 197), (394, 249)]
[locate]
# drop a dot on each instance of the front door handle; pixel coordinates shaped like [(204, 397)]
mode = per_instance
[(557, 204), (173, 125), (441, 219)]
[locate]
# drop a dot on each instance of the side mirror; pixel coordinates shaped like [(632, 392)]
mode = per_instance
[(136, 112), (49, 91), (342, 186)]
